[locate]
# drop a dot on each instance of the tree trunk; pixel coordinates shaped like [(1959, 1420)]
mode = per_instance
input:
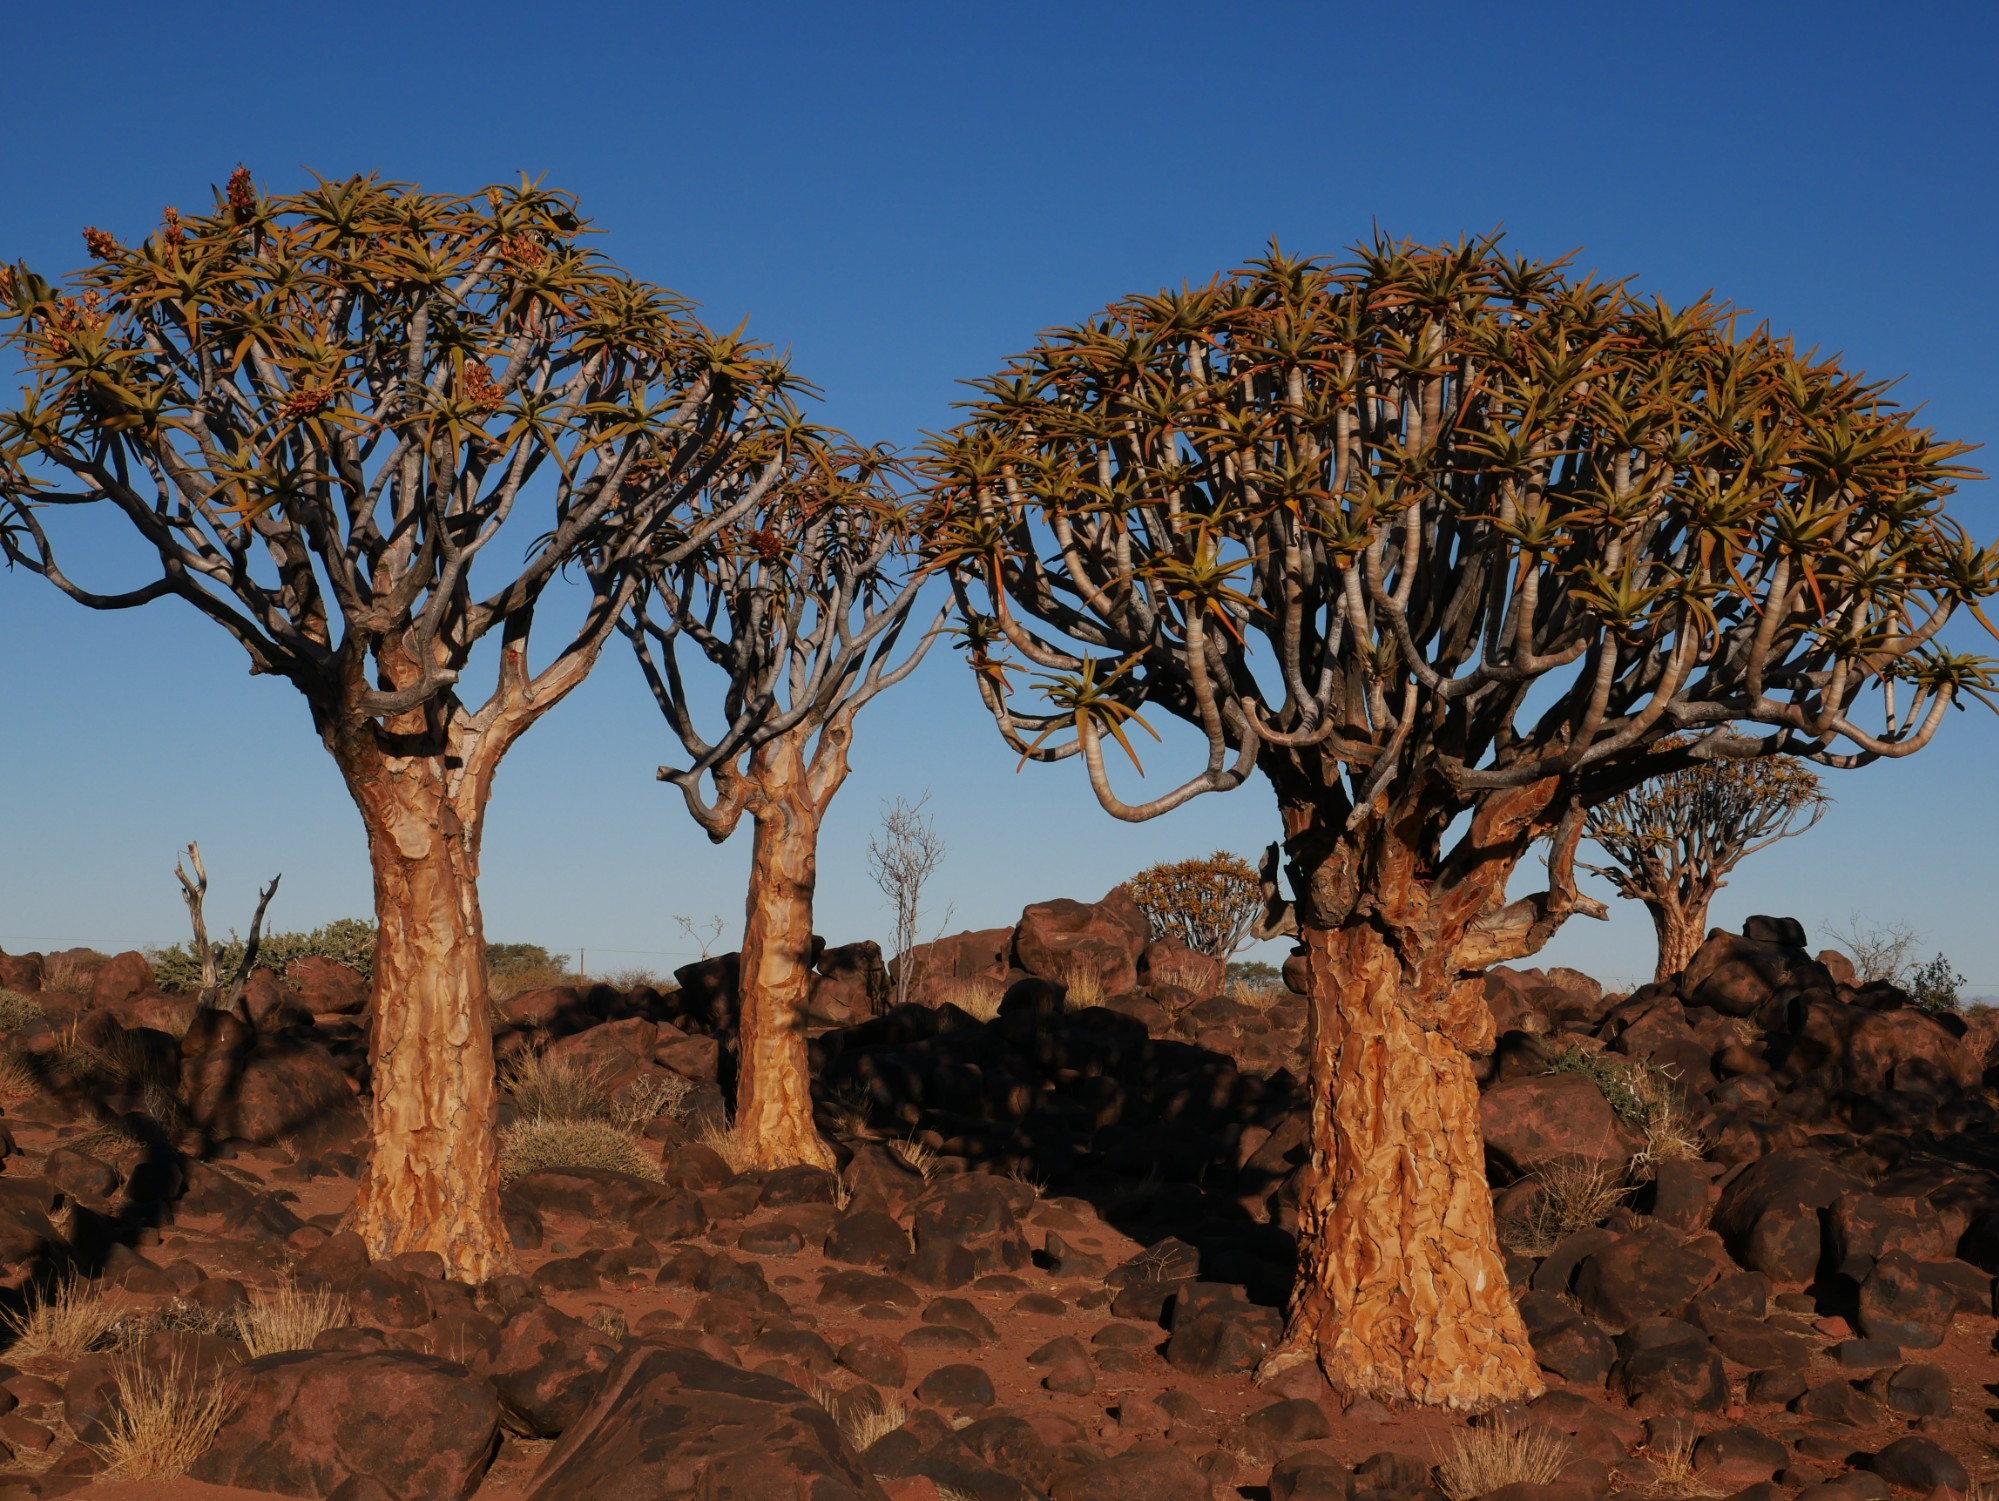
[(1681, 925), (773, 1081), (1402, 1292), (433, 1180)]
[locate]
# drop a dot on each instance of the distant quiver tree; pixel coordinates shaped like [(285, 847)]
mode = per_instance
[(1210, 904), (1444, 543), (363, 429), (796, 617), (1673, 840)]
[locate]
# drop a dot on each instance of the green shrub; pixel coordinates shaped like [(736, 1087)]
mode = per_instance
[(347, 940), (1934, 986), (16, 1011), (1254, 972)]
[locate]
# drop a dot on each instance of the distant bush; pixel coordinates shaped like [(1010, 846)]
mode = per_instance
[(515, 967), (347, 940), (511, 967), (1934, 986), (16, 1011), (1254, 972)]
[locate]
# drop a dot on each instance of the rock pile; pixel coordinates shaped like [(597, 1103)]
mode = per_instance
[(1752, 1219)]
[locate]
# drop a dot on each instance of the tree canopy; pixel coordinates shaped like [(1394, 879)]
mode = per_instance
[(1441, 522)]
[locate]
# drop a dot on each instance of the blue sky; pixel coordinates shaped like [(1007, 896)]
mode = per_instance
[(904, 194)]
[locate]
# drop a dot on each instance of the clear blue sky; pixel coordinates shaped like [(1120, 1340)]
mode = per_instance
[(904, 194)]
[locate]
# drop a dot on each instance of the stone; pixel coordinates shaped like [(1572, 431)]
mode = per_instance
[(673, 1423), (963, 1227), (1542, 1118), (1296, 1420), (1916, 1391), (1149, 1471), (597, 1194), (850, 985), (1641, 1274), (327, 987), (263, 1089), (1738, 1458), (1216, 1332), (957, 1386), (305, 1422), (1057, 940), (874, 1359), (1566, 1343), (1738, 976), (1768, 1215), (547, 1368), (120, 978), (1668, 1367), (1919, 1464), (1310, 1475), (867, 1237), (1899, 1303)]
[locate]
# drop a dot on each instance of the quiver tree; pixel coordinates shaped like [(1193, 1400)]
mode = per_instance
[(1210, 904), (1673, 840), (1444, 544), (796, 619), (320, 413)]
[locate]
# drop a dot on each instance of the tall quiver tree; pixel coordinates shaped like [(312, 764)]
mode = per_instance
[(1673, 840), (1442, 543), (320, 412), (796, 617)]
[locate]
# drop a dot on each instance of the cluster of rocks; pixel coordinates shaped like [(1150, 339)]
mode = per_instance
[(1054, 1254)]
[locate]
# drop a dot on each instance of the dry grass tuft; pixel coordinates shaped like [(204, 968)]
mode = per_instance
[(1189, 972), (864, 1416), (1081, 986), (608, 1320), (1495, 1454), (1670, 1136), (1673, 1469), (978, 997), (647, 1098), (528, 1146), (1574, 1196), (729, 1144), (71, 974), (1262, 997), (287, 1318), (18, 1078), (556, 1088), (915, 1155), (164, 1420), (68, 1320), (131, 1330)]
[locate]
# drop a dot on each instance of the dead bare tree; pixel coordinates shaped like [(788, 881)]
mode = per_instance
[(195, 892), (321, 412), (797, 618), (903, 854), (1444, 543)]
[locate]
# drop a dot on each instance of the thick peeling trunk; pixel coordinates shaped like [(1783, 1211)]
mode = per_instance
[(1680, 926), (433, 1181), (1402, 1291), (1401, 1288), (773, 1080)]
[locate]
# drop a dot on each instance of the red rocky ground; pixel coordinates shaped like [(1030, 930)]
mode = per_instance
[(1070, 1304)]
